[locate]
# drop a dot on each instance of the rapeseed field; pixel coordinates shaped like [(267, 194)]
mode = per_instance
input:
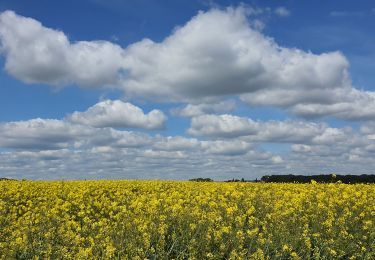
[(185, 220)]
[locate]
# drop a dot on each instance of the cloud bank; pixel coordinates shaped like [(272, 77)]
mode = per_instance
[(216, 54)]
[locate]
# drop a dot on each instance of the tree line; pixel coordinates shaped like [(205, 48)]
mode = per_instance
[(290, 178), (331, 178)]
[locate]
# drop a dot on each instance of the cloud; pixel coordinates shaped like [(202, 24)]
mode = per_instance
[(40, 134), (246, 63), (52, 134), (282, 11), (368, 130), (222, 126), (115, 139), (115, 113), (44, 155), (230, 148), (242, 60), (345, 103), (347, 13), (55, 60), (164, 154), (348, 104), (303, 83), (175, 143), (192, 110), (230, 126), (185, 65), (288, 131)]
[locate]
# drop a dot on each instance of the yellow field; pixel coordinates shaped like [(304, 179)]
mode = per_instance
[(185, 220)]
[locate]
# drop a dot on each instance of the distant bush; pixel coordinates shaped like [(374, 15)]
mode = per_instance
[(202, 179), (331, 178), (7, 179), (237, 180)]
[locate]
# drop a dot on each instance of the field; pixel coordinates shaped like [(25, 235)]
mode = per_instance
[(185, 220)]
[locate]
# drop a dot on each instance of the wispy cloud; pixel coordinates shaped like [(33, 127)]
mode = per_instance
[(349, 13), (282, 11)]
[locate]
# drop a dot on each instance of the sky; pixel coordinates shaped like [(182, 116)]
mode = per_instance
[(110, 89)]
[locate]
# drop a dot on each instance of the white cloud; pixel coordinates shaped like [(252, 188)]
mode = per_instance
[(191, 110), (222, 126), (229, 126), (164, 154), (175, 143), (245, 62), (301, 148), (277, 159), (116, 139), (215, 53), (350, 104), (368, 128), (230, 148), (46, 155), (282, 11), (241, 60), (288, 131), (301, 135), (55, 60), (40, 134), (51, 134), (116, 113)]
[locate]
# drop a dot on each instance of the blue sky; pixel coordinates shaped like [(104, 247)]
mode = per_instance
[(180, 89)]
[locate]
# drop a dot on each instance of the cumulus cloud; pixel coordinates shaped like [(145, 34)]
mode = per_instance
[(220, 147), (222, 126), (288, 131), (175, 143), (186, 64), (115, 113), (242, 60), (36, 54), (116, 139), (52, 134), (191, 110), (344, 103), (164, 154), (40, 134), (230, 126)]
